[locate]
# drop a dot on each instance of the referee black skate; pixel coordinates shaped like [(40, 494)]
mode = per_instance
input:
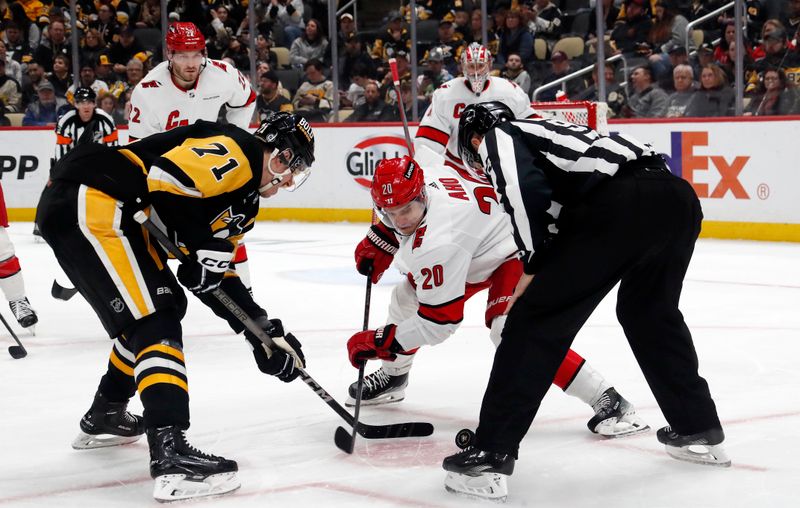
[(588, 211)]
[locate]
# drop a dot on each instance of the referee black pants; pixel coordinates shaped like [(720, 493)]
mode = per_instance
[(638, 228)]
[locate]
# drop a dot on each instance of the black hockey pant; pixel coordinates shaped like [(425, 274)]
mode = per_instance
[(639, 229), (109, 259)]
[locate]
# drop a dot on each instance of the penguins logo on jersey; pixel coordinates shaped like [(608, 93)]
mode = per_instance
[(228, 224)]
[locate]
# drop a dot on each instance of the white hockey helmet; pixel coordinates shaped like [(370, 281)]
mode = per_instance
[(476, 64)]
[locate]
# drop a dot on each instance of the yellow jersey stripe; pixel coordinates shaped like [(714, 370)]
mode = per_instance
[(134, 158)]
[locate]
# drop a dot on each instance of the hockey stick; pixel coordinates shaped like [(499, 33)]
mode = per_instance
[(17, 351), (59, 292), (396, 82), (410, 429), (346, 441)]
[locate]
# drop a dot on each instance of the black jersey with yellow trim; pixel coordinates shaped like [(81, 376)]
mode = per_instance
[(201, 179)]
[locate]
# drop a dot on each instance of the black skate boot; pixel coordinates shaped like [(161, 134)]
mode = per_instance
[(478, 474), (379, 388), (700, 448), (182, 471), (615, 416), (24, 314), (108, 424)]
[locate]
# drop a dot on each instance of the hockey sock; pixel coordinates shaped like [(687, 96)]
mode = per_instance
[(399, 366), (160, 371), (587, 384), (11, 281), (118, 385)]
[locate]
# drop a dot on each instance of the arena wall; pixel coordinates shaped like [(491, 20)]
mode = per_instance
[(744, 171)]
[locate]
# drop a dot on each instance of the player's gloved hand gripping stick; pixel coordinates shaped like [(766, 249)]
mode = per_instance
[(408, 429)]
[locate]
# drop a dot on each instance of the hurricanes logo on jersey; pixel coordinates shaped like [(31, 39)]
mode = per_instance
[(228, 224), (418, 237)]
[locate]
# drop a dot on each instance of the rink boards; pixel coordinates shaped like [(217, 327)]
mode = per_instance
[(744, 171)]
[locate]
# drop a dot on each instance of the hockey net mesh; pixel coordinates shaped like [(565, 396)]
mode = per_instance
[(591, 114)]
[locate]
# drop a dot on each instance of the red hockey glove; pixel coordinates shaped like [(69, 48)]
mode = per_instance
[(371, 344), (377, 249)]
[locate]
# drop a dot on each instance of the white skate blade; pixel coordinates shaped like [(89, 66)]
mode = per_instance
[(485, 486), (176, 487), (86, 441), (384, 398), (708, 455), (628, 425)]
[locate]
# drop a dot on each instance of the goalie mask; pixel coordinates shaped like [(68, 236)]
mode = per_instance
[(478, 119), (398, 193), (476, 63), (292, 142)]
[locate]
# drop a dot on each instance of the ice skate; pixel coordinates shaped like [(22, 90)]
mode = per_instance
[(478, 474), (700, 448), (183, 472), (615, 416), (379, 388), (108, 424), (24, 314), (37, 235)]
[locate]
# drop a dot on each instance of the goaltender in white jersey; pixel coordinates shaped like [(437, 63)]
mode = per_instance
[(454, 241), (188, 87), (438, 129)]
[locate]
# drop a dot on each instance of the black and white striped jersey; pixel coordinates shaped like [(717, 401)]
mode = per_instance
[(538, 166), (71, 131)]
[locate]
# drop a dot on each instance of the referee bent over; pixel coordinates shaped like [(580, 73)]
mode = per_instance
[(588, 211)]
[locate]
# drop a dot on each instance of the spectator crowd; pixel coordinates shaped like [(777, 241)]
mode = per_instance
[(534, 42)]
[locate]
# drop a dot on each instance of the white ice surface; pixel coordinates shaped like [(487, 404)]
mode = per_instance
[(741, 300)]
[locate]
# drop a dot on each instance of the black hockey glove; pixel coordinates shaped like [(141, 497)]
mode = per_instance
[(281, 361), (204, 276)]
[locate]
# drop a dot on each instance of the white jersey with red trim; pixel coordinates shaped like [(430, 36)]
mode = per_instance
[(463, 239), (158, 104), (438, 129)]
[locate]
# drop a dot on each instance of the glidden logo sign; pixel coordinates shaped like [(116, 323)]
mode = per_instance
[(365, 155)]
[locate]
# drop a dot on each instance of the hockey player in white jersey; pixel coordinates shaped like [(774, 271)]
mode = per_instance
[(188, 87), (454, 241), (438, 129)]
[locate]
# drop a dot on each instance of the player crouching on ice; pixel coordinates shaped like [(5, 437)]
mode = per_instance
[(201, 185), (454, 241)]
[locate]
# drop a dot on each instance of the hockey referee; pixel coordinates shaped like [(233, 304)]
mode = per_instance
[(588, 212), (83, 124)]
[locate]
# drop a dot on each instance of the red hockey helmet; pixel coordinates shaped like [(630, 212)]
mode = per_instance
[(396, 182), (185, 36)]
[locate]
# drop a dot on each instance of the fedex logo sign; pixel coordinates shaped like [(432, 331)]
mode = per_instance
[(684, 163)]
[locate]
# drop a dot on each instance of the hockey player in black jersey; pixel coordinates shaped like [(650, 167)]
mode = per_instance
[(201, 185), (588, 212)]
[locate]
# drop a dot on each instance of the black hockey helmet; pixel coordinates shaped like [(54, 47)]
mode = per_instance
[(84, 94), (479, 119), (291, 139)]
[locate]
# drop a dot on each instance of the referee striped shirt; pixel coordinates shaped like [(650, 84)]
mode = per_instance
[(71, 131), (538, 166)]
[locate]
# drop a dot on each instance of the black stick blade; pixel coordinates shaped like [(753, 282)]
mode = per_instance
[(17, 352), (344, 441), (59, 292), (396, 430)]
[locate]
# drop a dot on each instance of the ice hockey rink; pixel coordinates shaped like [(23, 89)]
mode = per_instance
[(741, 300)]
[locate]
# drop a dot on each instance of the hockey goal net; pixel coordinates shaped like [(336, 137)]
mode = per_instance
[(591, 114)]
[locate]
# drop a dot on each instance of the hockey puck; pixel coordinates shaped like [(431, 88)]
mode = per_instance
[(465, 438)]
